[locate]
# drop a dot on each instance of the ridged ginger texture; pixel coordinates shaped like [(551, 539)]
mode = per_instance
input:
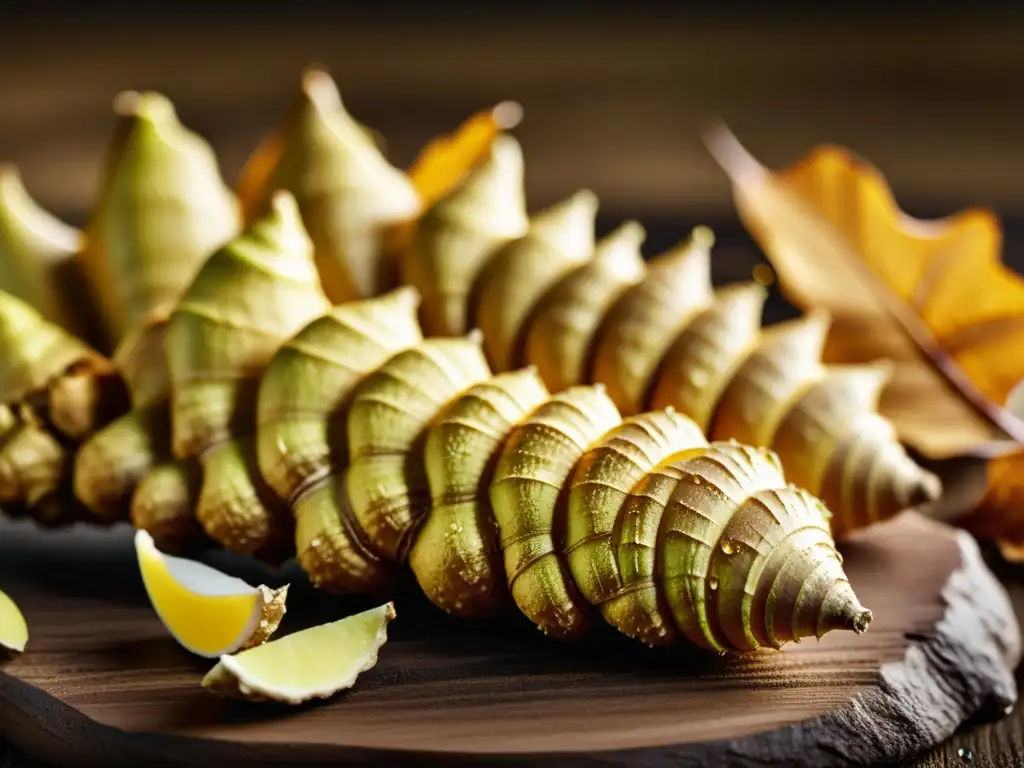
[(163, 209), (493, 489), (657, 334)]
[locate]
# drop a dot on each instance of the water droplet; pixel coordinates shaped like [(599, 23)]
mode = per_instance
[(763, 274), (727, 547), (713, 583), (733, 442), (264, 624), (965, 754), (315, 542), (696, 480)]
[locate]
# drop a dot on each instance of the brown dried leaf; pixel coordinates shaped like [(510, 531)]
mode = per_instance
[(946, 310)]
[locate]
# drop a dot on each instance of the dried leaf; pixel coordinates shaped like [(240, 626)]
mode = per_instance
[(442, 164), (931, 295), (1000, 513)]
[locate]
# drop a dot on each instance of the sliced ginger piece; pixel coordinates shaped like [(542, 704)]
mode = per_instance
[(13, 629), (208, 612), (315, 663)]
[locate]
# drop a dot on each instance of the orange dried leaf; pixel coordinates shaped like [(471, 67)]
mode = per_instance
[(1000, 513), (931, 295), (443, 163)]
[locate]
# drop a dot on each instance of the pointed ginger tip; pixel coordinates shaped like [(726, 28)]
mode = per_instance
[(283, 203), (145, 105), (407, 296), (703, 236), (507, 115), (925, 488), (630, 231), (841, 610), (9, 173), (859, 621), (584, 198), (319, 87)]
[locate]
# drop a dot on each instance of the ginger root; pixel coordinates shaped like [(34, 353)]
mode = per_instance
[(490, 487)]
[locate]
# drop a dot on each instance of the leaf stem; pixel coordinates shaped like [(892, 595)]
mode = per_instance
[(736, 161)]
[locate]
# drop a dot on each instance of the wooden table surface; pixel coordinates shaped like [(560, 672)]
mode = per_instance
[(614, 103)]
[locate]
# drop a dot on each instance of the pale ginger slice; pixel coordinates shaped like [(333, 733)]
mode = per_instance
[(314, 663), (13, 628)]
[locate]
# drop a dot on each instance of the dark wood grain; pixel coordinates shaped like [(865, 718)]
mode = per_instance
[(102, 677)]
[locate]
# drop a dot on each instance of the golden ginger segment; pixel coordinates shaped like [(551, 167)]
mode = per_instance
[(636, 333), (163, 208), (37, 256), (698, 364), (110, 463), (387, 426), (331, 546), (748, 560), (164, 505), (348, 193), (659, 336), (559, 239), (458, 235), (769, 379), (456, 558), (303, 395), (310, 381), (565, 322), (35, 351), (65, 390), (642, 608), (35, 469), (248, 298), (600, 484), (528, 496), (491, 487)]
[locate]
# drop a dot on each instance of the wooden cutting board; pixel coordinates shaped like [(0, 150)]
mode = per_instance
[(103, 683)]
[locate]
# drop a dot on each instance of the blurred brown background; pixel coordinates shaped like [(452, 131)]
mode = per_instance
[(615, 96), (614, 99)]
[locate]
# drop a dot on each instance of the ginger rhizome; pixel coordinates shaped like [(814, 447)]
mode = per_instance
[(38, 258), (163, 208), (657, 334), (491, 488), (350, 196), (53, 388), (534, 417)]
